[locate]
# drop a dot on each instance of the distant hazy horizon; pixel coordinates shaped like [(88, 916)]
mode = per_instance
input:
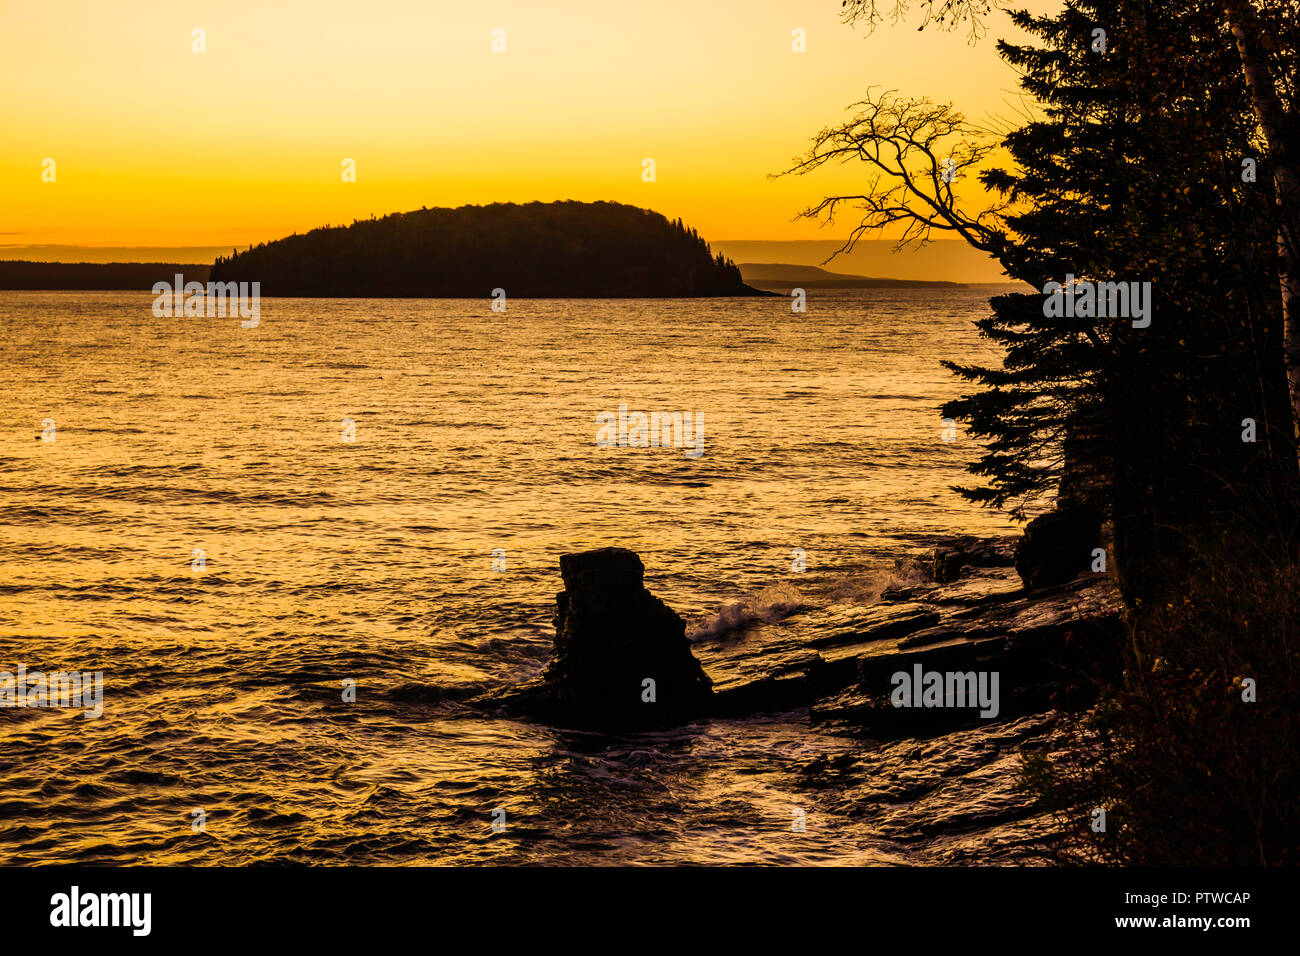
[(947, 259)]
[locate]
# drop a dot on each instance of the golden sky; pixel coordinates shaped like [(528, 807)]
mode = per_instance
[(155, 144)]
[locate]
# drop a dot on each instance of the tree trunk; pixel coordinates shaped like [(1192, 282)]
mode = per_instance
[(1284, 152)]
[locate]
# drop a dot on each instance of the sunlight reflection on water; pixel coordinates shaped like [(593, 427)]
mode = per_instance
[(371, 560)]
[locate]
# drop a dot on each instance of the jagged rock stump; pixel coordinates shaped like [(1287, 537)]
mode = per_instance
[(1056, 546), (622, 660)]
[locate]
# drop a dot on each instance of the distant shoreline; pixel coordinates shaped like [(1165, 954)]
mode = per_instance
[(864, 283), (23, 275)]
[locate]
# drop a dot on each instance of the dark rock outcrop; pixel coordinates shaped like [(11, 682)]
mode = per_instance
[(1057, 545), (952, 557), (622, 660)]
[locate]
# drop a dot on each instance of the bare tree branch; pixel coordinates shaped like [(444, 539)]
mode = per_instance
[(917, 150), (944, 14)]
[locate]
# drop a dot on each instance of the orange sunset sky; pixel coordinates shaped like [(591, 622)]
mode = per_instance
[(156, 145)]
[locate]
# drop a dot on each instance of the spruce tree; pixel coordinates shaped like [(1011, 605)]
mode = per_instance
[(1133, 174)]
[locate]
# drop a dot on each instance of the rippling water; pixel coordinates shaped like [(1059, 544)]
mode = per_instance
[(372, 560)]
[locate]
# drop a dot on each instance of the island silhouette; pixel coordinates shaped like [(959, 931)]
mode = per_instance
[(534, 250)]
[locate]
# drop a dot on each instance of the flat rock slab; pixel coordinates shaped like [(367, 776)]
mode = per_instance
[(840, 660)]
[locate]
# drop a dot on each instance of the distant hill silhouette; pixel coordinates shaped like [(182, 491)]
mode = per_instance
[(559, 249), (99, 276), (780, 275)]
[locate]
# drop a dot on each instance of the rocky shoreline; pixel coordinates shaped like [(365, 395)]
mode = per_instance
[(622, 661)]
